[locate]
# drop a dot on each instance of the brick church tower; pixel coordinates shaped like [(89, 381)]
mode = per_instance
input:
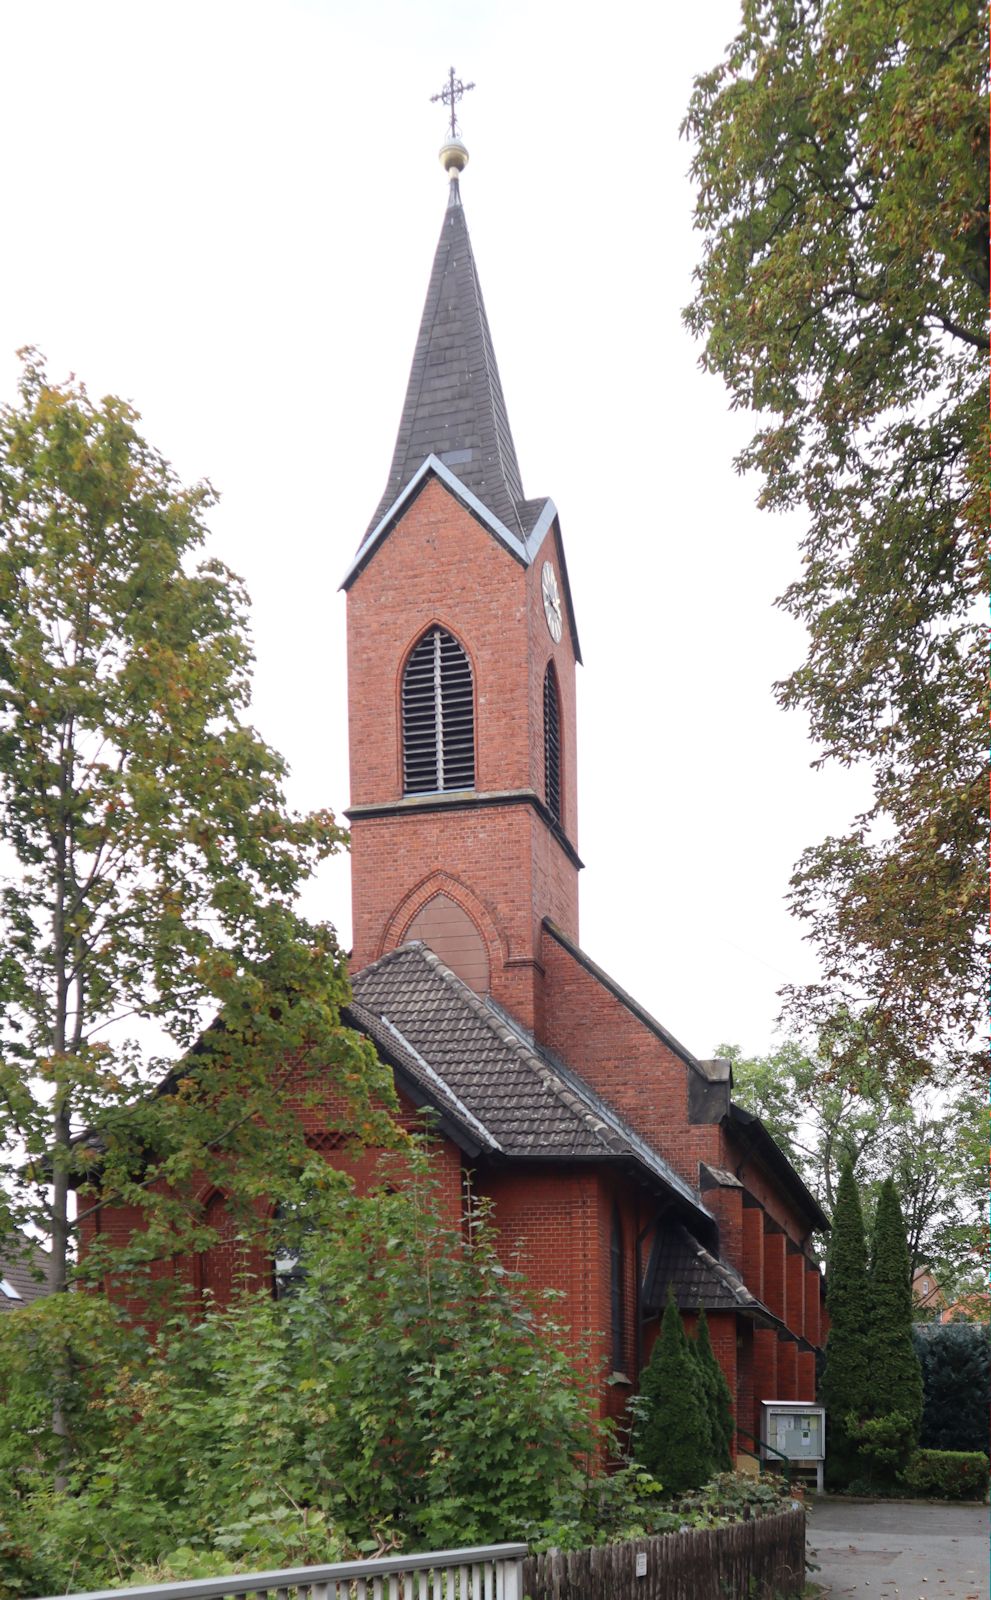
[(461, 672)]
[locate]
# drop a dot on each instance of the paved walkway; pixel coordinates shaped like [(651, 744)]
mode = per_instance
[(877, 1550)]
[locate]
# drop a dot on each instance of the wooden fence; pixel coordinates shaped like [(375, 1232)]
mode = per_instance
[(763, 1558)]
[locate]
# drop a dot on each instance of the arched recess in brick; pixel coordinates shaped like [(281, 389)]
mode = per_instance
[(232, 1259), (449, 932), (462, 920)]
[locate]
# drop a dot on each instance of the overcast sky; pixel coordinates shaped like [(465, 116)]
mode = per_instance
[(226, 212)]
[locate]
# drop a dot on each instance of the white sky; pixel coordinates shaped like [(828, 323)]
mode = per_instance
[(227, 213)]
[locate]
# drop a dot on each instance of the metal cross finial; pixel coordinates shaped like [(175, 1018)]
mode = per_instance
[(450, 95)]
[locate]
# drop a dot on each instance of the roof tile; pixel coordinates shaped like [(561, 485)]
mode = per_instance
[(454, 397), (467, 1053)]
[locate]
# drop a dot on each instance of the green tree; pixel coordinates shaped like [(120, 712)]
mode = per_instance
[(719, 1400), (830, 1105), (840, 171), (894, 1373), (846, 1375), (409, 1392), (674, 1436), (152, 863)]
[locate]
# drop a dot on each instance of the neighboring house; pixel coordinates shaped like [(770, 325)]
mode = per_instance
[(617, 1164), (19, 1280), (926, 1293), (974, 1307), (931, 1302)]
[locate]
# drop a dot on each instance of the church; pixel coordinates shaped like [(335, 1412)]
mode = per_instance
[(616, 1163)]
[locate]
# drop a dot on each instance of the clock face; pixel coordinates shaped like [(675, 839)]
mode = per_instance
[(552, 601)]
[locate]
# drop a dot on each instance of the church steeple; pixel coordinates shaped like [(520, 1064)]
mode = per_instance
[(461, 671), (455, 408)]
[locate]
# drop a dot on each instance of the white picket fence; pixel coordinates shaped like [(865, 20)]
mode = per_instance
[(483, 1572)]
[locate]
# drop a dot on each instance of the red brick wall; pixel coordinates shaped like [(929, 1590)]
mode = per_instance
[(764, 1187), (623, 1059), (805, 1381), (774, 1273), (795, 1272), (787, 1370), (753, 1250), (440, 566), (812, 1281), (541, 650), (726, 1205), (556, 1227), (500, 863), (722, 1330), (745, 1377), (766, 1347)]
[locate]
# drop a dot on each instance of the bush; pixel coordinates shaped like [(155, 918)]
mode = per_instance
[(885, 1443), (674, 1433), (956, 1373), (845, 1380), (734, 1497), (719, 1400), (947, 1475), (410, 1393), (893, 1413)]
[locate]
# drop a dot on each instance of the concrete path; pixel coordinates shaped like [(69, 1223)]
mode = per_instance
[(880, 1550)]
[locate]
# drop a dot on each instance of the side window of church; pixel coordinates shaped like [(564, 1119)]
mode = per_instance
[(552, 742), (617, 1292), (288, 1267), (438, 717)]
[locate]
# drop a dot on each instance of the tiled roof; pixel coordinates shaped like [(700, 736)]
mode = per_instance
[(480, 1068), (698, 1278), (766, 1147), (454, 402), (16, 1275)]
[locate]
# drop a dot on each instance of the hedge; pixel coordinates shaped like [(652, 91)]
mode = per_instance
[(948, 1474), (956, 1371)]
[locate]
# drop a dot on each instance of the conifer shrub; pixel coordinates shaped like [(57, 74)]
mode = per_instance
[(719, 1400), (956, 1378), (674, 1435), (889, 1429), (846, 1373)]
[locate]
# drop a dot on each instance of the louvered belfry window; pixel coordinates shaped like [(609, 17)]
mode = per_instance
[(438, 717), (552, 743)]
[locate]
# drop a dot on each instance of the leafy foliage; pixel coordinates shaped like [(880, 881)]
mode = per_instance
[(948, 1474), (846, 1375), (734, 1497), (832, 1105), (719, 1400), (674, 1439), (842, 292), (409, 1392), (153, 863), (956, 1376), (885, 1444)]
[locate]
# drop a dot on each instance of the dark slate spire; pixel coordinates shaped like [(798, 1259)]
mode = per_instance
[(454, 402)]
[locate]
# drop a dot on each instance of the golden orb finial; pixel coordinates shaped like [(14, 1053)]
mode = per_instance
[(453, 157)]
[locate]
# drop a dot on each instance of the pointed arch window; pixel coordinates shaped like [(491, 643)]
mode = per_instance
[(552, 742), (438, 717)]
